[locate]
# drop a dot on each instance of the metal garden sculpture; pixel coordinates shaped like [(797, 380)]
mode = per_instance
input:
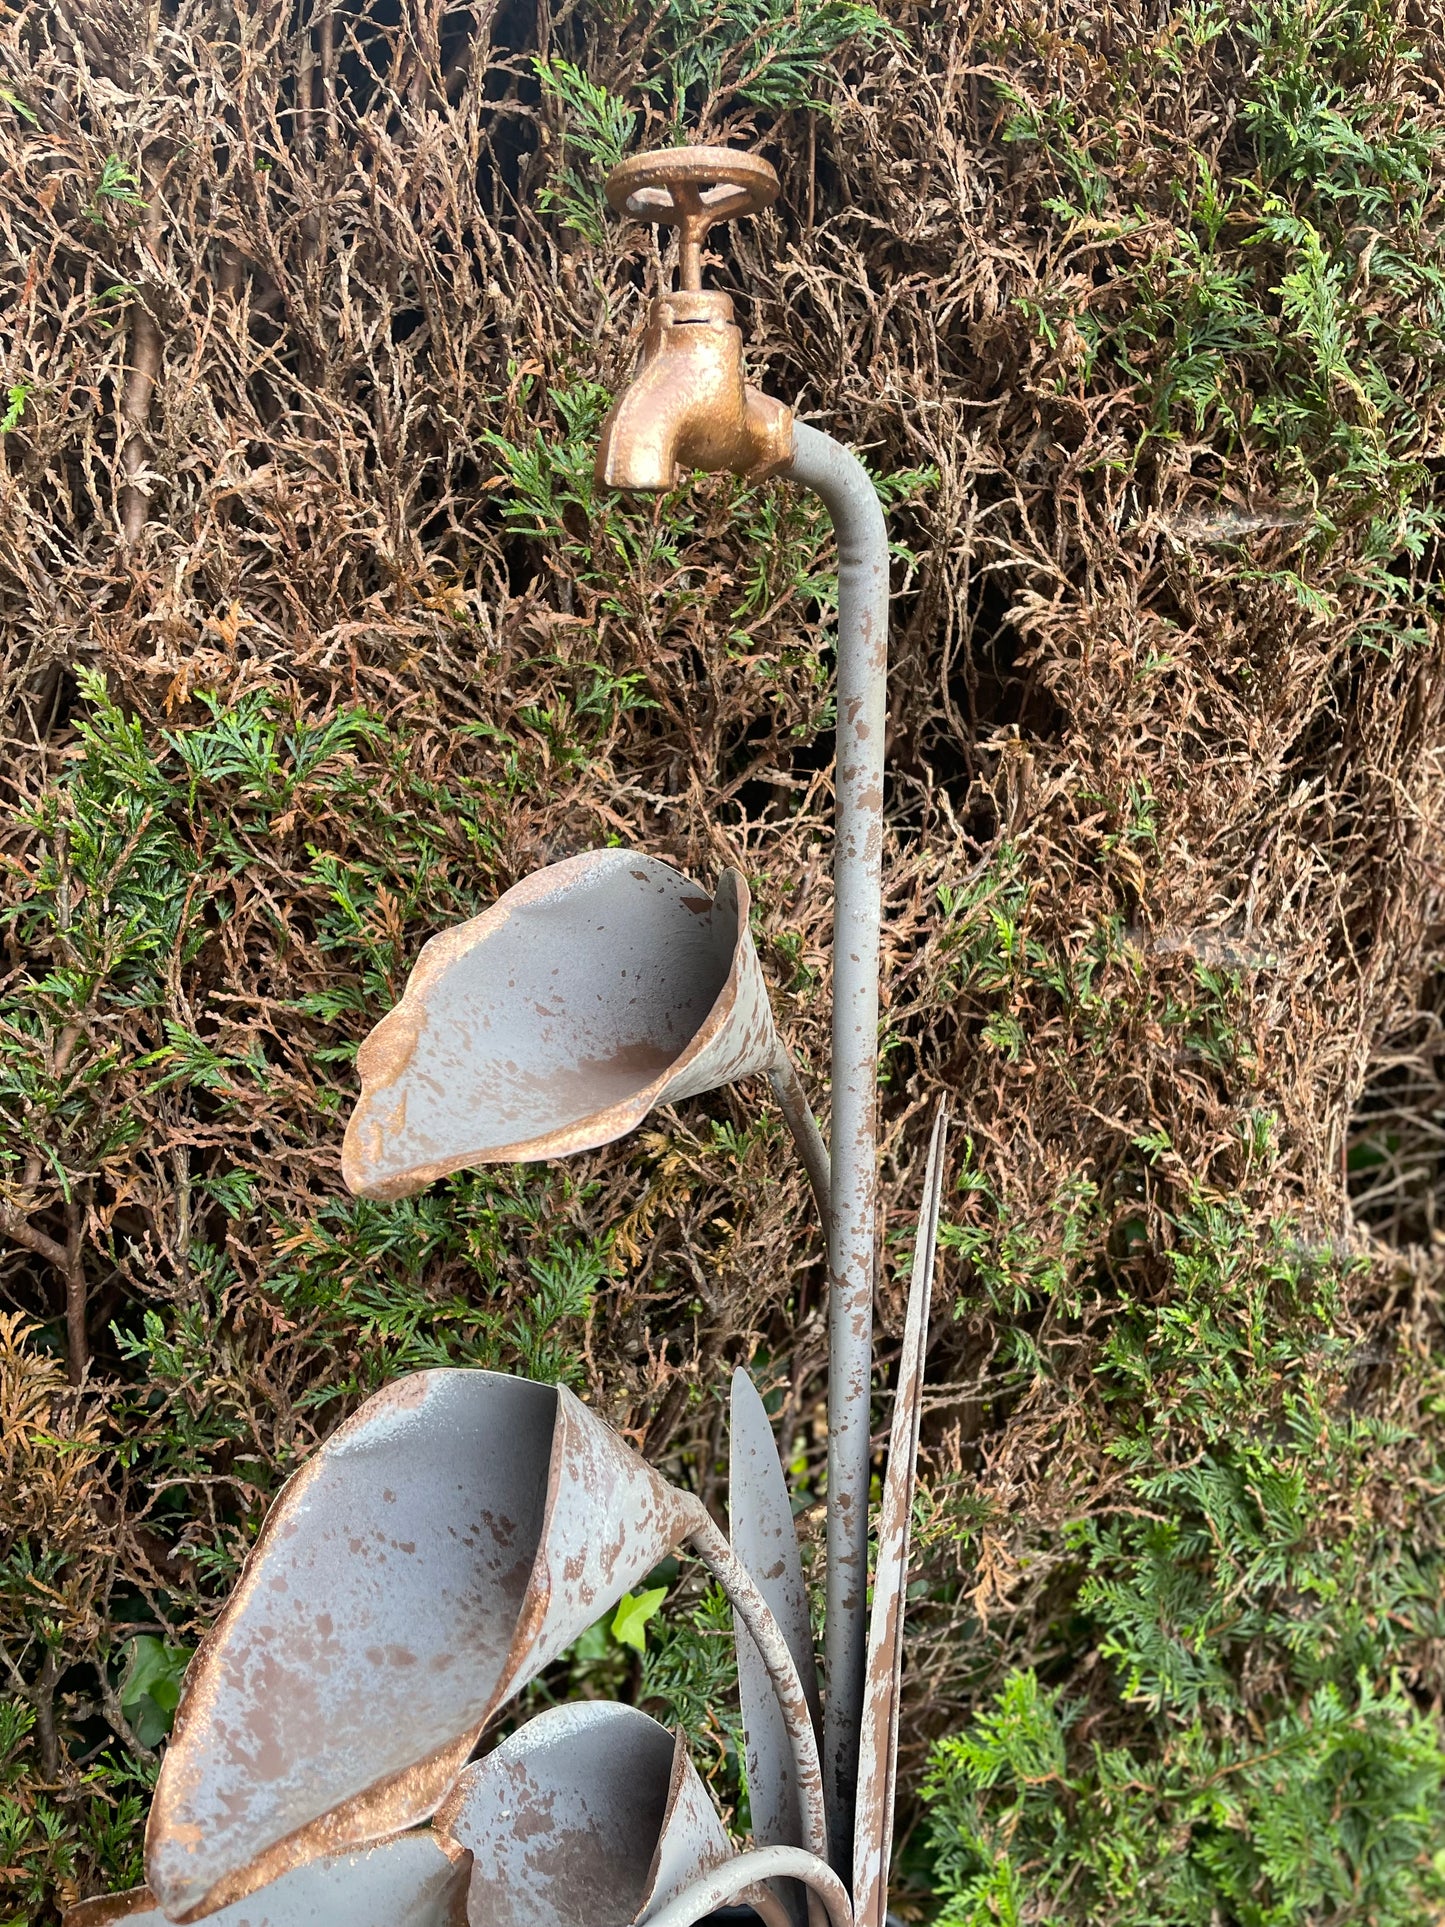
[(462, 1528)]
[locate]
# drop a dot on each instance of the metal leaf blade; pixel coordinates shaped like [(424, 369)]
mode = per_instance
[(878, 1755), (456, 1534), (589, 993), (766, 1540), (412, 1880)]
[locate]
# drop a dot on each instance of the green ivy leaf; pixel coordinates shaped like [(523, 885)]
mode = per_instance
[(629, 1622), (151, 1689)]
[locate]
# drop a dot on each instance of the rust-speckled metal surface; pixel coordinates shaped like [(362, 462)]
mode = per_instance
[(588, 1816), (688, 405), (878, 1753), (449, 1541), (691, 189), (766, 1540), (712, 1546), (555, 1021), (843, 485), (413, 1880)]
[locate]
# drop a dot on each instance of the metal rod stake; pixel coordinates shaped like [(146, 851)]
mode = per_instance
[(841, 482)]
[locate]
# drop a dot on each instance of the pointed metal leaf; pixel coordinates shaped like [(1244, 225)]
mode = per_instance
[(555, 1021), (455, 1535), (587, 1816), (766, 1540), (878, 1754), (412, 1880)]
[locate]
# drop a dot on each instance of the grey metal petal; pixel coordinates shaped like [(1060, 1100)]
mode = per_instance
[(878, 1753), (587, 1816), (413, 1880), (450, 1540), (555, 1021), (693, 1839), (766, 1540)]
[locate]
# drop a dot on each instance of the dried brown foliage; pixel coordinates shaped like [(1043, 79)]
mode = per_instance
[(291, 319)]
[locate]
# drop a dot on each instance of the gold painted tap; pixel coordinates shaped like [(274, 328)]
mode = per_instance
[(688, 405)]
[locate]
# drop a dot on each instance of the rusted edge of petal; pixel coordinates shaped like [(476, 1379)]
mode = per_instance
[(691, 1839), (384, 1055), (356, 1824), (575, 1430), (139, 1903), (108, 1907), (732, 883)]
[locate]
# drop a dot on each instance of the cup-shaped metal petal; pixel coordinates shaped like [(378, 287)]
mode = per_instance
[(452, 1538), (414, 1880), (556, 1020), (590, 1815)]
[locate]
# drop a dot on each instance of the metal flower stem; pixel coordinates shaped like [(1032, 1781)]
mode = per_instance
[(716, 1553), (807, 1138), (734, 1882), (842, 484)]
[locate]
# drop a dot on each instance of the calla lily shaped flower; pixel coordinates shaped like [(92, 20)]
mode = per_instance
[(589, 1816), (555, 1021), (454, 1536), (416, 1880)]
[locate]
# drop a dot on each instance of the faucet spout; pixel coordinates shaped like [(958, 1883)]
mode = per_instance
[(688, 405)]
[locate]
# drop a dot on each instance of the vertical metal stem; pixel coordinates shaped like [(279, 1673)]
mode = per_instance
[(841, 482), (799, 1118)]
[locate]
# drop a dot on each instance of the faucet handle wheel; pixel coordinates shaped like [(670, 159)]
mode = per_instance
[(691, 188)]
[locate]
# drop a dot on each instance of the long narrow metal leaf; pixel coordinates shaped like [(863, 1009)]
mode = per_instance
[(766, 1541), (878, 1758)]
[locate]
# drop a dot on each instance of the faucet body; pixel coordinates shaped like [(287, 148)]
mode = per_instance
[(688, 405)]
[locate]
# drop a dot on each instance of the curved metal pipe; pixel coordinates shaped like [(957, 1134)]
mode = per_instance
[(716, 1553), (842, 484), (733, 1880)]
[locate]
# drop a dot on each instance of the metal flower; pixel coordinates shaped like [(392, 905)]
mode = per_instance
[(452, 1538), (556, 1020), (589, 1816), (415, 1880)]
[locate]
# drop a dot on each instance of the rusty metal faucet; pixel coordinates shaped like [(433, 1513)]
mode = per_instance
[(688, 406)]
